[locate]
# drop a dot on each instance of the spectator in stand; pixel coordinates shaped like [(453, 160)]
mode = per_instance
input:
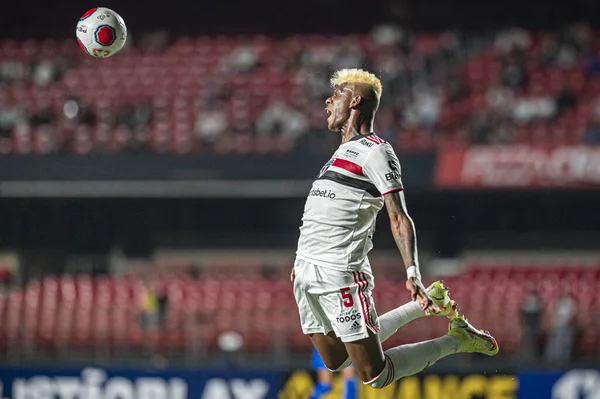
[(349, 55), (500, 100), (592, 132), (425, 110), (154, 305), (392, 36), (592, 65), (243, 58), (292, 53), (78, 112), (446, 53), (531, 312), (280, 119), (12, 71), (512, 39), (44, 116), (134, 116), (10, 117), (216, 90), (565, 100), (564, 49), (456, 88), (490, 128), (514, 72), (149, 307), (211, 122), (559, 54), (560, 342), (45, 72), (316, 82), (527, 110)]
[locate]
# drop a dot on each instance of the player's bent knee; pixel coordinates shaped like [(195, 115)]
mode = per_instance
[(385, 378), (342, 366)]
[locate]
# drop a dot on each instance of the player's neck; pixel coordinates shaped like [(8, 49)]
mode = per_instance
[(355, 126)]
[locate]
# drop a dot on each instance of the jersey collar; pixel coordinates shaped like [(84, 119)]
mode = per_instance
[(360, 136)]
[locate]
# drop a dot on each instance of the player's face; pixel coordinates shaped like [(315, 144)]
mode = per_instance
[(338, 108)]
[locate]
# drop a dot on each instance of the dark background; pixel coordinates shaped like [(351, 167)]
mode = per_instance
[(37, 19)]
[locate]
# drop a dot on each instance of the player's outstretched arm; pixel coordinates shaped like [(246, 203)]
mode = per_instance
[(404, 232)]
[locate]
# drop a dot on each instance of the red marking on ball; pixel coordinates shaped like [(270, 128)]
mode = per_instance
[(82, 46), (105, 35), (88, 13)]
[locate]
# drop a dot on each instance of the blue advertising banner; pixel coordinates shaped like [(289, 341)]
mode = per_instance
[(572, 384), (100, 383)]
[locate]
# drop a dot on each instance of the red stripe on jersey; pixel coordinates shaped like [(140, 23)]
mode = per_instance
[(374, 328), (362, 284), (349, 166), (393, 190), (375, 139), (362, 303)]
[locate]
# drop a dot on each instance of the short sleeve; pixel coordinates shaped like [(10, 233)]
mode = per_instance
[(383, 169)]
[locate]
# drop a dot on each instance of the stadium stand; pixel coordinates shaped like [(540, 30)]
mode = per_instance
[(83, 313), (259, 94)]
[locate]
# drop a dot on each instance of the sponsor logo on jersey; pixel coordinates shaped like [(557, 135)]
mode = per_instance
[(352, 154), (315, 192), (367, 143), (395, 173), (348, 318), (392, 176), (355, 326)]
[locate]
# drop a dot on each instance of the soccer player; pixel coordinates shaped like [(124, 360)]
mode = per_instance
[(332, 276), (325, 379)]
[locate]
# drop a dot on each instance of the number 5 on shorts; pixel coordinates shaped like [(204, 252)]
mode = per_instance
[(347, 296)]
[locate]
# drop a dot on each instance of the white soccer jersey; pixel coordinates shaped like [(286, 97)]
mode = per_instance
[(342, 205)]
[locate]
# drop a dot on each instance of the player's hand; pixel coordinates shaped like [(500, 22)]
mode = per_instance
[(418, 292), (292, 275)]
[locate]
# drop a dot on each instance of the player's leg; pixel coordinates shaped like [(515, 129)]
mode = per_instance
[(377, 368), (347, 302), (324, 382), (410, 359), (315, 323), (367, 357), (349, 383), (331, 350), (391, 321)]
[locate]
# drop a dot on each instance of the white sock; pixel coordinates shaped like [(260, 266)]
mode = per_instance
[(391, 321), (412, 358), (406, 360)]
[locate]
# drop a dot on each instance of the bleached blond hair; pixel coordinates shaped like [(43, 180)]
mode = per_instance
[(355, 75)]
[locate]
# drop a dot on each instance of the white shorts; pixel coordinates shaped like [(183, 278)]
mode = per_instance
[(335, 300)]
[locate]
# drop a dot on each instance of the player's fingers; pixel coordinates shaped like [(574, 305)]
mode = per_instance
[(432, 306), (292, 275)]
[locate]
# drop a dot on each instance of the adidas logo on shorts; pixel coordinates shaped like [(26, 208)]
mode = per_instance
[(355, 326)]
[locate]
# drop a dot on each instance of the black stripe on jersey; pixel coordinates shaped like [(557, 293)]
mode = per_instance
[(350, 182)]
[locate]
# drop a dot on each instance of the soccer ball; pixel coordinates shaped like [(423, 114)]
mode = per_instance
[(101, 32)]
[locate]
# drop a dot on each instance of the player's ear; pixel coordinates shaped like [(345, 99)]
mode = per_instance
[(356, 101)]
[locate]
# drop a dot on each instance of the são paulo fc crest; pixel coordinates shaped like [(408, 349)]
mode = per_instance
[(326, 166)]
